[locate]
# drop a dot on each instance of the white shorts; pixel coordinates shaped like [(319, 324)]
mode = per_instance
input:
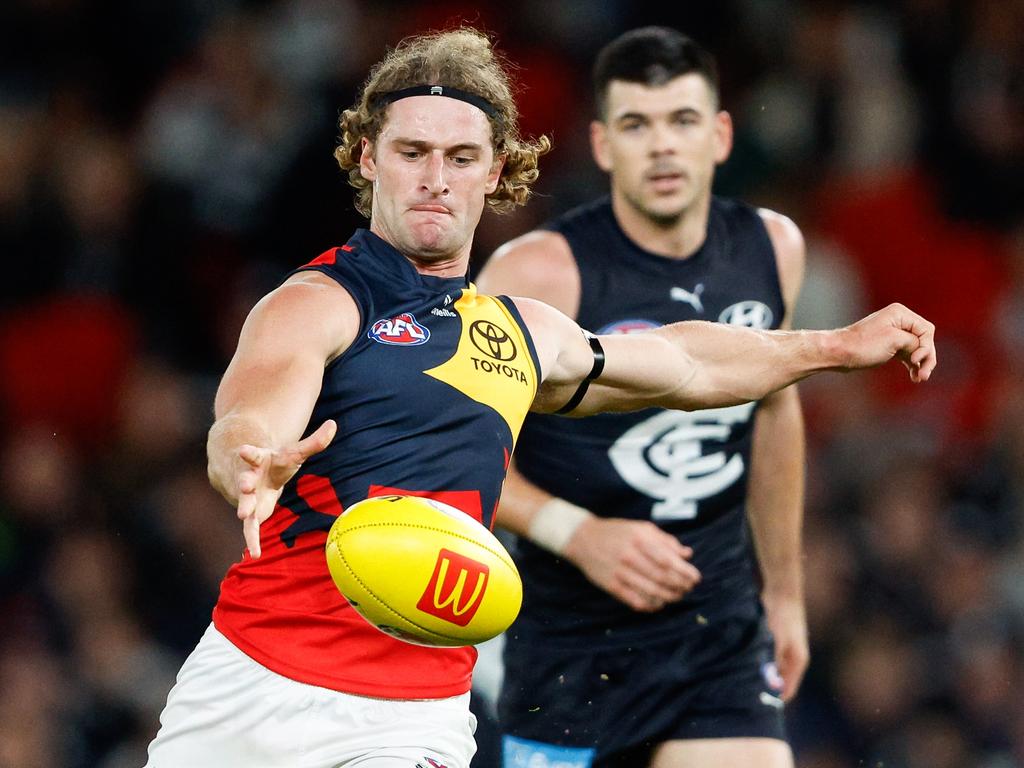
[(227, 710)]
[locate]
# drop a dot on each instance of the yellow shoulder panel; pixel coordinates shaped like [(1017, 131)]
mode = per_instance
[(492, 363)]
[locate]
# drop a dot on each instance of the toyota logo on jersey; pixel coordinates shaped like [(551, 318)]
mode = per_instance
[(402, 330)]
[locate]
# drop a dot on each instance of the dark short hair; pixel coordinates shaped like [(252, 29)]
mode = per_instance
[(651, 56)]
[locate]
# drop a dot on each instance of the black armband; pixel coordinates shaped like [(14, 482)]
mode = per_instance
[(577, 398)]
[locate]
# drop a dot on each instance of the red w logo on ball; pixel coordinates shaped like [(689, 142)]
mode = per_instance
[(456, 588)]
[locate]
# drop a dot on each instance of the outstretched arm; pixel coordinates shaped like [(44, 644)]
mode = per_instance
[(697, 364), (266, 397)]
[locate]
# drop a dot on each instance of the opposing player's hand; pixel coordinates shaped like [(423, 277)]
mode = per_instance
[(634, 561), (891, 332), (263, 473), (787, 620)]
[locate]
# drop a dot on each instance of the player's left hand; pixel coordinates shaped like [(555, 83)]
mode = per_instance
[(787, 620), (894, 331)]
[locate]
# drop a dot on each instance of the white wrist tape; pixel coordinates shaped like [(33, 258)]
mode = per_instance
[(555, 523)]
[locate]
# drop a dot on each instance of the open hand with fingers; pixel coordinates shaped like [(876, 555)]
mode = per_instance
[(634, 561), (262, 474), (894, 331)]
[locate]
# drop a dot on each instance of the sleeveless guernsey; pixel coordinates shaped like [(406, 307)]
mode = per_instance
[(429, 399), (687, 472)]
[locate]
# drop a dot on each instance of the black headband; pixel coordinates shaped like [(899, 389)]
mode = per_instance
[(379, 100)]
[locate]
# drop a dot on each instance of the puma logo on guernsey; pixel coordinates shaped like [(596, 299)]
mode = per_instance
[(693, 299)]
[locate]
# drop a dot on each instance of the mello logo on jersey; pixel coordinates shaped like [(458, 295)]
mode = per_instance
[(402, 330), (456, 588)]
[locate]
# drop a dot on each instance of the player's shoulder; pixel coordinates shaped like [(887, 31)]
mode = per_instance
[(309, 287), (790, 252), (783, 231), (311, 307), (534, 250), (540, 265)]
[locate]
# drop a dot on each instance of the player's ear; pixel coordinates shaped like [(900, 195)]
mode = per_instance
[(367, 165), (495, 173), (723, 136), (599, 145)]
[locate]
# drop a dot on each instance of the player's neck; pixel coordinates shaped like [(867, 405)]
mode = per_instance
[(455, 264), (678, 238), (454, 267)]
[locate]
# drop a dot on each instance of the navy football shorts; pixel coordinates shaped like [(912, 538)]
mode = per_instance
[(590, 709)]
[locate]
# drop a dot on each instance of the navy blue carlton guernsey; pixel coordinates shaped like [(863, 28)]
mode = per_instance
[(429, 399), (687, 472)]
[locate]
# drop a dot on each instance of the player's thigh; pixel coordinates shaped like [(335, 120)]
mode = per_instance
[(435, 733), (715, 753)]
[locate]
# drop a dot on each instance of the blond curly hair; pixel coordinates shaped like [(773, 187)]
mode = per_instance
[(465, 59)]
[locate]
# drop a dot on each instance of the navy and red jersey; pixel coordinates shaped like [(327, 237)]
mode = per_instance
[(429, 399), (685, 471)]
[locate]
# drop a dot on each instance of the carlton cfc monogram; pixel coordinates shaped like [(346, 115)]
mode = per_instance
[(456, 588)]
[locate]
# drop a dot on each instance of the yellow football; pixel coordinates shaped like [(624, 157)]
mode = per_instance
[(423, 571)]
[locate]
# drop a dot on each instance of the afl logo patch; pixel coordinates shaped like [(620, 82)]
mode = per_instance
[(749, 314), (492, 340), (627, 326), (402, 331)]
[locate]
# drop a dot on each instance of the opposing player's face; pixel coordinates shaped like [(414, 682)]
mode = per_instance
[(661, 144), (431, 166)]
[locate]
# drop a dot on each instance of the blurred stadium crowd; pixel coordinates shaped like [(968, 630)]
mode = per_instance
[(163, 164)]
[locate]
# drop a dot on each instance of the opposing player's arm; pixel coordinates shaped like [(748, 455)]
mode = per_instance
[(538, 264), (267, 394), (698, 364), (775, 490), (633, 560)]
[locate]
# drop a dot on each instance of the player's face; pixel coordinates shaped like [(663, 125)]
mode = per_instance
[(431, 166), (661, 144)]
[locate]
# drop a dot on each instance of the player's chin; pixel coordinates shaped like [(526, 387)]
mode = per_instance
[(432, 250), (434, 237), (667, 207)]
